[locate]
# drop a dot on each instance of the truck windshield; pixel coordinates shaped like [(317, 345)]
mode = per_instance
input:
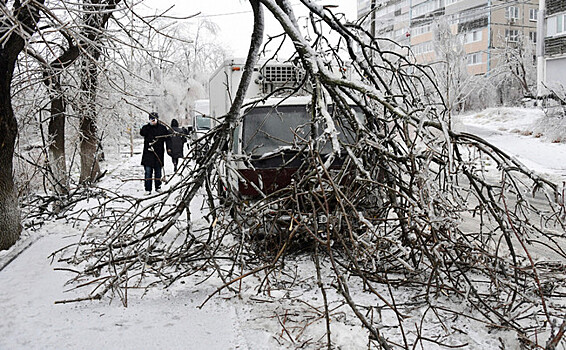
[(344, 128), (267, 128), (203, 123)]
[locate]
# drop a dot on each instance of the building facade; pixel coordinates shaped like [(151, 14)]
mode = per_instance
[(481, 26), (551, 51)]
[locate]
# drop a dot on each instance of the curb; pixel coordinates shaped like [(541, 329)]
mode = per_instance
[(16, 250)]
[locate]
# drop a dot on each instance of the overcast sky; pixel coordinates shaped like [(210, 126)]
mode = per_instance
[(235, 18)]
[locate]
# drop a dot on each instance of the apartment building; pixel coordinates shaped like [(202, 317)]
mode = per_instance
[(551, 48), (481, 26)]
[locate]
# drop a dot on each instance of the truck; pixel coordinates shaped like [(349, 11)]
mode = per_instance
[(266, 150)]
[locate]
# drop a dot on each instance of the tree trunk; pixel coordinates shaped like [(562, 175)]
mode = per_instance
[(27, 17), (57, 157), (56, 128), (10, 227), (96, 19), (90, 168)]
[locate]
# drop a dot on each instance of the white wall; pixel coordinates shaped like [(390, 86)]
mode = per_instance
[(556, 72)]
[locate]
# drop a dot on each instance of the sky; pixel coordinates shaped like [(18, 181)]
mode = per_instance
[(235, 18), (171, 318)]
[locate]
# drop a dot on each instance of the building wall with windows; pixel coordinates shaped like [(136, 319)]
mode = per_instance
[(511, 21), (482, 26), (476, 42), (551, 49)]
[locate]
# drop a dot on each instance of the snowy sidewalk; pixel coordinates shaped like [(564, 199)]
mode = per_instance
[(162, 319)]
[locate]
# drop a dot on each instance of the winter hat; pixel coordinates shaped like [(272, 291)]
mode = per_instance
[(174, 123), (153, 115)]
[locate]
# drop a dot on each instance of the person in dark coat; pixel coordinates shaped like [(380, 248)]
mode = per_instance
[(175, 146), (155, 136)]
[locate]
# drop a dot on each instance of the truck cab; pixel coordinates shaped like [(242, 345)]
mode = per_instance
[(269, 144), (201, 121)]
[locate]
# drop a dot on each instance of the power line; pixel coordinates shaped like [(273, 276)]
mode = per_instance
[(235, 13), (224, 14)]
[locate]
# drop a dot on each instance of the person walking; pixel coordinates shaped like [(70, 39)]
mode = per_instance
[(155, 136), (175, 146)]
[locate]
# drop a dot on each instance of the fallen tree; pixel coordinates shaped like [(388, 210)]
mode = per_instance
[(414, 204)]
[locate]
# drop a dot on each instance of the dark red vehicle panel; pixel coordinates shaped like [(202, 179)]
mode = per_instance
[(272, 180)]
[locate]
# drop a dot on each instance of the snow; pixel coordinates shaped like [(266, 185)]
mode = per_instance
[(167, 319), (513, 131), (31, 283)]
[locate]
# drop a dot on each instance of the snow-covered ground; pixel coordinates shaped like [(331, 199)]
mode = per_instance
[(172, 319), (519, 133)]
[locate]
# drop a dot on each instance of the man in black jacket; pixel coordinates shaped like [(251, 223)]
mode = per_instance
[(155, 135)]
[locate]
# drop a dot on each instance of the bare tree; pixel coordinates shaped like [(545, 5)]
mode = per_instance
[(52, 76), (61, 52), (521, 63), (96, 16), (18, 23), (451, 69), (203, 54), (516, 71), (83, 45)]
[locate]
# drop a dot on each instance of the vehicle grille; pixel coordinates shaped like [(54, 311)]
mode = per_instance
[(282, 74)]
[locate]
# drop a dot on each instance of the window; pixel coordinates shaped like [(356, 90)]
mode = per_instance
[(512, 12), (474, 58), (421, 30), (402, 33), (561, 24), (420, 9), (533, 14), (426, 7), (471, 15), (402, 17), (472, 37), (264, 129), (512, 35), (556, 25), (533, 36), (423, 48)]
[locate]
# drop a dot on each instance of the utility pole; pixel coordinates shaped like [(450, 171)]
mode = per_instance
[(541, 62), (131, 66), (372, 9)]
